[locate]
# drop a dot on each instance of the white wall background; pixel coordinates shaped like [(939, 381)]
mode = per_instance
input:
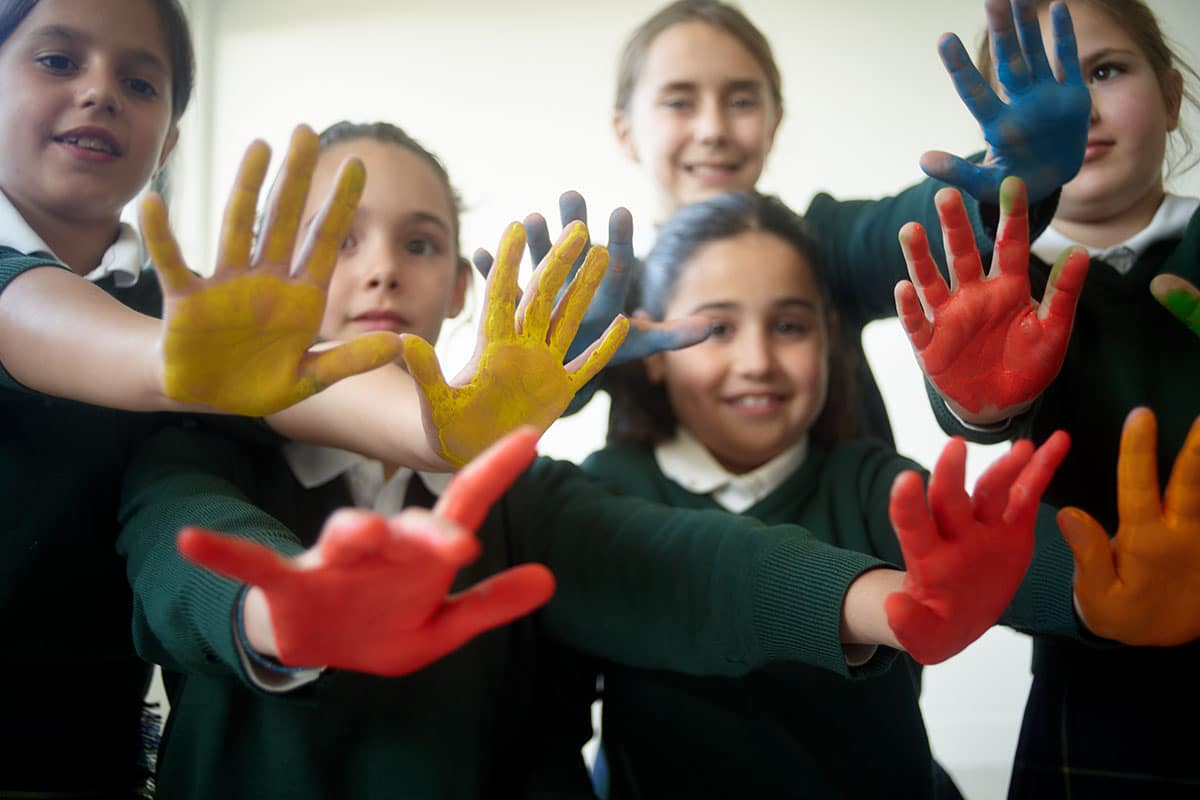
[(515, 97)]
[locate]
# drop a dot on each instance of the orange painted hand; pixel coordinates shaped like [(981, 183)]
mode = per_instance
[(371, 595), (1180, 297), (517, 376), (984, 343), (1142, 587), (240, 341), (965, 556)]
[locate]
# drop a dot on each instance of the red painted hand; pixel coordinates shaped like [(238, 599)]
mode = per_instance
[(965, 555), (988, 348), (371, 595), (1142, 587)]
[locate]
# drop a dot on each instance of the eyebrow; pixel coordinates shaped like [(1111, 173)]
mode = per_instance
[(1107, 52), (361, 214), (729, 305), (72, 35), (738, 85)]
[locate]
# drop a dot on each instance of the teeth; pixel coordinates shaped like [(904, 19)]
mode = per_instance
[(706, 170), (759, 401), (89, 143)]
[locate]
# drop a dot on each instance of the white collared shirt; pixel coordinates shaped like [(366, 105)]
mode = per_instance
[(123, 258), (316, 466), (688, 463), (1168, 222)]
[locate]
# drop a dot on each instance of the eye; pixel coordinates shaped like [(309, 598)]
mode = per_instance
[(141, 87), (720, 330), (792, 328), (422, 247), (743, 101), (677, 103), (349, 243), (56, 62), (1106, 71)]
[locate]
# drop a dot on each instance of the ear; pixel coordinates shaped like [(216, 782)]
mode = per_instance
[(462, 280), (623, 130), (656, 367), (775, 129), (1173, 97), (168, 146)]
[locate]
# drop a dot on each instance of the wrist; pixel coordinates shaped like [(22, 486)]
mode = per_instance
[(987, 416), (257, 624), (864, 620)]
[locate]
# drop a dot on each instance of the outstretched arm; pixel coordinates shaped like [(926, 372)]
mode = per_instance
[(373, 594), (237, 342), (985, 345), (1142, 587)]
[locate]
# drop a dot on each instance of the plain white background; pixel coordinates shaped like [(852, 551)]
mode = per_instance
[(516, 99)]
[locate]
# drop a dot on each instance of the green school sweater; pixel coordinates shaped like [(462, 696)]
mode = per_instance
[(701, 592), (73, 685), (788, 730)]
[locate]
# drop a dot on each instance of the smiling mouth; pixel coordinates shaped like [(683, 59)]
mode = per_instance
[(711, 170), (94, 144), (756, 402)]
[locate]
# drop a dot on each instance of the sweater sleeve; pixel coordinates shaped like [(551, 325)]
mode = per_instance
[(860, 241), (698, 592), (182, 614)]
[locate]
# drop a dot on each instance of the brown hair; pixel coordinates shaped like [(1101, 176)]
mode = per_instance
[(1139, 22), (641, 412), (721, 16)]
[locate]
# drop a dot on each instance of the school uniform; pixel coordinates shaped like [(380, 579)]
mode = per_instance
[(702, 593)]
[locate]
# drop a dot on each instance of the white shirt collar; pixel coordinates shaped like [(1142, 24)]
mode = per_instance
[(688, 463), (316, 466), (123, 258), (1169, 222)]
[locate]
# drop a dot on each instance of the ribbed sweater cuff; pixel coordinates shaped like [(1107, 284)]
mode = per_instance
[(798, 601)]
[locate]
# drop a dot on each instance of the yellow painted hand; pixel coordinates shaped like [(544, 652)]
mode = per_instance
[(240, 341), (1143, 586), (517, 376)]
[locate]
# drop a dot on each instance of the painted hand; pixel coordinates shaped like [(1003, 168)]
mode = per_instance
[(1040, 134), (517, 376), (646, 336), (1180, 297), (987, 347), (371, 595), (1142, 587), (965, 556), (239, 341)]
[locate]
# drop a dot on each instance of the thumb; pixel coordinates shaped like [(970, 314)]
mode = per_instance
[(1094, 568), (361, 354), (422, 363), (491, 603)]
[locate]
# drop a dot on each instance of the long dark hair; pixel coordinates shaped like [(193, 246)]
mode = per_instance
[(641, 412)]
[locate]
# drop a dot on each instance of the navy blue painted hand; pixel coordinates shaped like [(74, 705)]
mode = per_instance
[(1040, 134), (645, 335)]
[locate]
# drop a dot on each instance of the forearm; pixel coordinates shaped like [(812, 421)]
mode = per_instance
[(864, 621), (63, 336), (377, 414)]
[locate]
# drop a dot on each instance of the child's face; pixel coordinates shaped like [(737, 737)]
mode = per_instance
[(1130, 120), (85, 107), (701, 119), (757, 385), (398, 269)]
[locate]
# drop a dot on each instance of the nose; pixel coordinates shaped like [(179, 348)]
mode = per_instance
[(383, 265), (711, 125), (1094, 116), (753, 354), (101, 90)]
